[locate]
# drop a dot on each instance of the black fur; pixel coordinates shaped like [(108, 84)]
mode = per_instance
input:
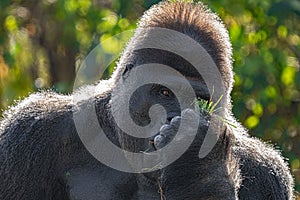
[(42, 157)]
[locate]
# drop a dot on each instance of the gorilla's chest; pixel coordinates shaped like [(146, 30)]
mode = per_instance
[(94, 183)]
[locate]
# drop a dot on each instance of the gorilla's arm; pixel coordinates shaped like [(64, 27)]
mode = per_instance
[(216, 176), (42, 157)]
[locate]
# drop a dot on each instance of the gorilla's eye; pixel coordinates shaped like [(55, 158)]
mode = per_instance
[(166, 92)]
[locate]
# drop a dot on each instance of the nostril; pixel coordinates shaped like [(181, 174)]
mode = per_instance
[(169, 119)]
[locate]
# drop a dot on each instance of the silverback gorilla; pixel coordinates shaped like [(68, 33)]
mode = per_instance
[(42, 156)]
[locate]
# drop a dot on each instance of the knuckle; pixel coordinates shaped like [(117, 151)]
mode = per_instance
[(175, 120), (159, 141), (187, 111), (165, 128)]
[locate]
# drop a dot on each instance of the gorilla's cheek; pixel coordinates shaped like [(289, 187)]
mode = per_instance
[(147, 96)]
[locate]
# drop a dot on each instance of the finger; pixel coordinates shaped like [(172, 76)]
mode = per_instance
[(175, 122), (168, 132), (160, 141)]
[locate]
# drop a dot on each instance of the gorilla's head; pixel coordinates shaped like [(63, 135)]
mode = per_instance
[(166, 36)]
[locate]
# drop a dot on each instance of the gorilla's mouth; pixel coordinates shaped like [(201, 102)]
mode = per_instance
[(151, 146), (151, 143)]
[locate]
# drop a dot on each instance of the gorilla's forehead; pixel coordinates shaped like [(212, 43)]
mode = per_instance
[(160, 74), (147, 56)]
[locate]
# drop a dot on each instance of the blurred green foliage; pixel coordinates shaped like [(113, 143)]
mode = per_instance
[(266, 96), (42, 42)]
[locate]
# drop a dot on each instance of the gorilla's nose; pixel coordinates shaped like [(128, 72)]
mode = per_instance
[(170, 116)]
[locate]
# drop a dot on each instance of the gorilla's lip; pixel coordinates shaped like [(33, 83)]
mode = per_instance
[(151, 143)]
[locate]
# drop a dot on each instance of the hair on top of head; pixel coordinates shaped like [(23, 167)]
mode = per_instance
[(196, 21)]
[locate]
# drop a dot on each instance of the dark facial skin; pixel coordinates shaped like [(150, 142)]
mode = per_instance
[(148, 95)]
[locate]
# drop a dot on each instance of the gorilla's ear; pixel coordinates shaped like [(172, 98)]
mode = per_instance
[(127, 68)]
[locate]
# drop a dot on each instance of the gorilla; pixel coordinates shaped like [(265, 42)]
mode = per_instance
[(44, 156)]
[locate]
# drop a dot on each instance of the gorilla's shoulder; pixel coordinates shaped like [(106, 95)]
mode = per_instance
[(258, 153), (39, 124), (263, 168), (36, 107), (47, 119), (50, 108)]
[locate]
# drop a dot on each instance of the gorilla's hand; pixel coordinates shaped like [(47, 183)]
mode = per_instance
[(214, 139), (166, 133), (193, 124)]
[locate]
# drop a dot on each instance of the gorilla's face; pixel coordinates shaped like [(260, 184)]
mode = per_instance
[(147, 95), (172, 98)]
